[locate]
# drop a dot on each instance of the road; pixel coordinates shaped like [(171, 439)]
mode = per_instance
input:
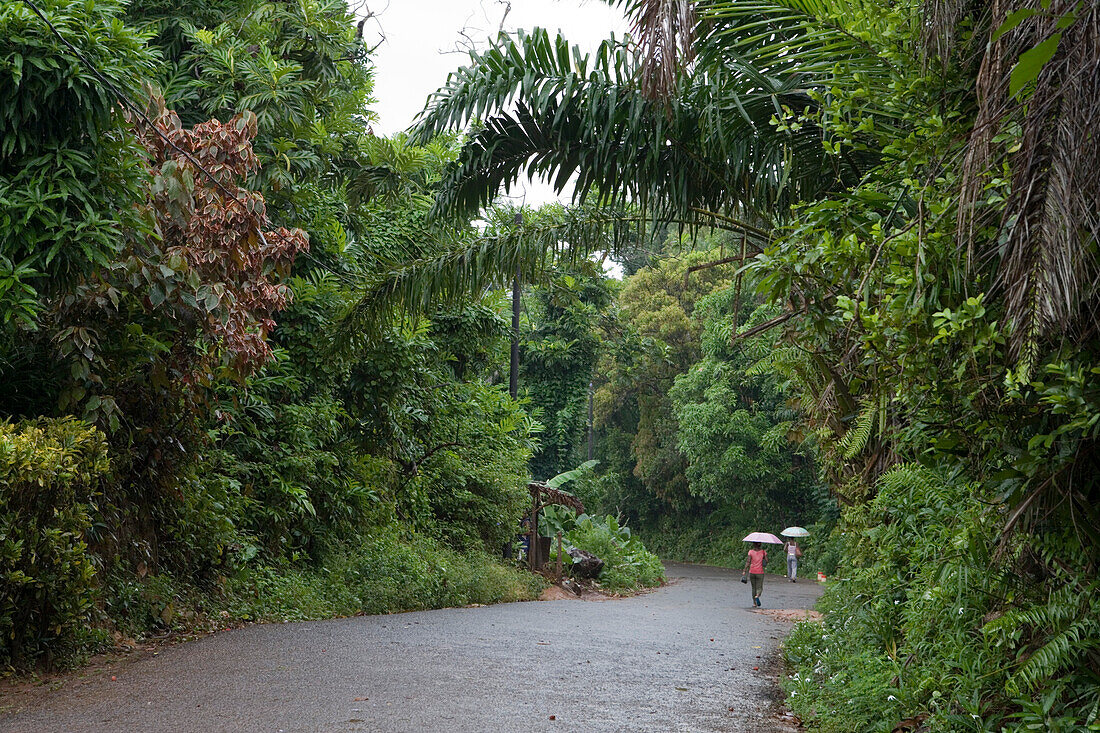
[(678, 659)]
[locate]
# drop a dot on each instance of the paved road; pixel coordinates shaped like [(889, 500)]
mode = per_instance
[(675, 660)]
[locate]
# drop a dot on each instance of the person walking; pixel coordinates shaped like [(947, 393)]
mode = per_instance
[(793, 553), (755, 562)]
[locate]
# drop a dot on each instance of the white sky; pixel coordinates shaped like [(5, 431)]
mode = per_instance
[(421, 37)]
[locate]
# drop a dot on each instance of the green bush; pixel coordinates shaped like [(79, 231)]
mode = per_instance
[(858, 695), (68, 168), (48, 473), (928, 620), (628, 565), (386, 572)]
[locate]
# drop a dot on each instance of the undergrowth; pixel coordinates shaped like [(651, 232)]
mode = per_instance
[(628, 564), (387, 572), (930, 626)]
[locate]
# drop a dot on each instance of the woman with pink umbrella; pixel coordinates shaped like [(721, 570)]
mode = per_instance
[(757, 560)]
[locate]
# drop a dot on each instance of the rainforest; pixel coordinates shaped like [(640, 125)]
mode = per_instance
[(827, 263)]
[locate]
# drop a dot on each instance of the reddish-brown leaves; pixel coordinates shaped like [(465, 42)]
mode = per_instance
[(215, 227)]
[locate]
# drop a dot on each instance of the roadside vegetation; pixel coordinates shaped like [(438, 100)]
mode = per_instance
[(198, 425), (908, 194), (255, 359)]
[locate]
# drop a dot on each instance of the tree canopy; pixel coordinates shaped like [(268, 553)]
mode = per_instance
[(258, 342)]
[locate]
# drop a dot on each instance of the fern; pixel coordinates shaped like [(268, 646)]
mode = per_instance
[(857, 437), (908, 476), (776, 361), (1069, 626)]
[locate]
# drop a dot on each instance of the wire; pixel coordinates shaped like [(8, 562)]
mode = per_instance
[(137, 111)]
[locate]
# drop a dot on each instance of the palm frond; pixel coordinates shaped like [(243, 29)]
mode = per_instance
[(531, 66), (816, 40), (468, 265), (560, 114)]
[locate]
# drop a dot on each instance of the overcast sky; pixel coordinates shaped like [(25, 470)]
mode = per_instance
[(420, 38)]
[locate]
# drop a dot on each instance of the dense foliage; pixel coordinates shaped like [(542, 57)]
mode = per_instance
[(691, 435), (48, 475), (558, 358), (178, 261), (917, 188), (287, 335)]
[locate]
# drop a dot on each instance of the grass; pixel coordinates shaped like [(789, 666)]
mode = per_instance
[(385, 572)]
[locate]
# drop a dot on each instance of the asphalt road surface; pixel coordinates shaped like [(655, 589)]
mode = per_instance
[(678, 659)]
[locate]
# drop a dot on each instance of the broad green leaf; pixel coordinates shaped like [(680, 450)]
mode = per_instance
[(1031, 63), (563, 478), (1013, 20)]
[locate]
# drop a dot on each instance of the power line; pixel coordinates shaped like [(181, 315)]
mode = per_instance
[(137, 111)]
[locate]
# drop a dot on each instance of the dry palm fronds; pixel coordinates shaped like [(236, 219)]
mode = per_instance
[(545, 496), (1047, 265), (665, 31), (943, 25)]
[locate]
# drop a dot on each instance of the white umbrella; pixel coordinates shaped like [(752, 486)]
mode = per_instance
[(762, 537), (795, 532)]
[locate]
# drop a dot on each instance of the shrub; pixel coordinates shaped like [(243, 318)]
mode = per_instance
[(386, 572), (927, 621), (628, 565), (48, 471)]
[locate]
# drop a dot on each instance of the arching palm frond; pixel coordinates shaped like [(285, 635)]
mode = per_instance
[(471, 264), (711, 146), (531, 66), (816, 40), (808, 37)]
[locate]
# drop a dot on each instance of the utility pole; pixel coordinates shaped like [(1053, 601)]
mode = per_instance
[(513, 372)]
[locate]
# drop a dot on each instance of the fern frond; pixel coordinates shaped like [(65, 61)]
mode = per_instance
[(857, 436), (779, 361)]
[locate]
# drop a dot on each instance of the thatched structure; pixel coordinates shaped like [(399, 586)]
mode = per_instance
[(543, 496)]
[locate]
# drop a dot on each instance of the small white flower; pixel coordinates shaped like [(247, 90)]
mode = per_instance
[(891, 698)]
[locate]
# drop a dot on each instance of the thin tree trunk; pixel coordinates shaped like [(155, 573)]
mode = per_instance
[(513, 370), (591, 427)]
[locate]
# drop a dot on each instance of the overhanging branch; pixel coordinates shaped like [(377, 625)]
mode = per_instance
[(765, 326)]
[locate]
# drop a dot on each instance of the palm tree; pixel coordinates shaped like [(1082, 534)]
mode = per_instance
[(704, 121), (710, 111), (708, 143)]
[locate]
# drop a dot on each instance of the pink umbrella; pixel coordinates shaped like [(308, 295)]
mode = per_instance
[(762, 537)]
